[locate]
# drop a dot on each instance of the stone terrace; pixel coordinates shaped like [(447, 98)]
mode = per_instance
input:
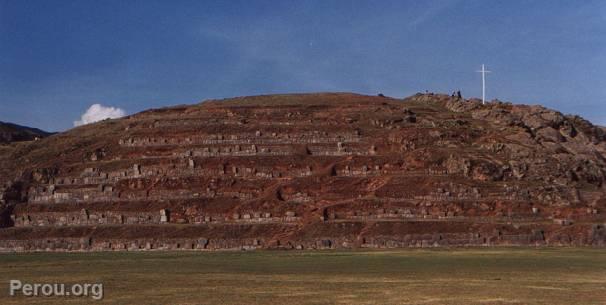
[(310, 171)]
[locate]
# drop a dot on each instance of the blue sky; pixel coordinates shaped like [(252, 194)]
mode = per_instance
[(57, 58)]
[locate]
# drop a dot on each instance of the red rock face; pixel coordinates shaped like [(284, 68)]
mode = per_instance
[(310, 171)]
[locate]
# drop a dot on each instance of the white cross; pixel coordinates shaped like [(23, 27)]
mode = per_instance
[(483, 71)]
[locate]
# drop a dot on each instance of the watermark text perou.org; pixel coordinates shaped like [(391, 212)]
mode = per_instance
[(94, 291)]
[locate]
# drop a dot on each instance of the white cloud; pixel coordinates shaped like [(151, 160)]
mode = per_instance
[(98, 112)]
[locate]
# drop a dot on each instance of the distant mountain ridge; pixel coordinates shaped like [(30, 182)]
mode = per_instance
[(10, 132)]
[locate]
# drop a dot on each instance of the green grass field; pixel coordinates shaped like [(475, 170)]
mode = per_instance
[(468, 276)]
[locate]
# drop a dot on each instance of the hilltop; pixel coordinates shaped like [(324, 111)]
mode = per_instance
[(14, 133), (326, 170)]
